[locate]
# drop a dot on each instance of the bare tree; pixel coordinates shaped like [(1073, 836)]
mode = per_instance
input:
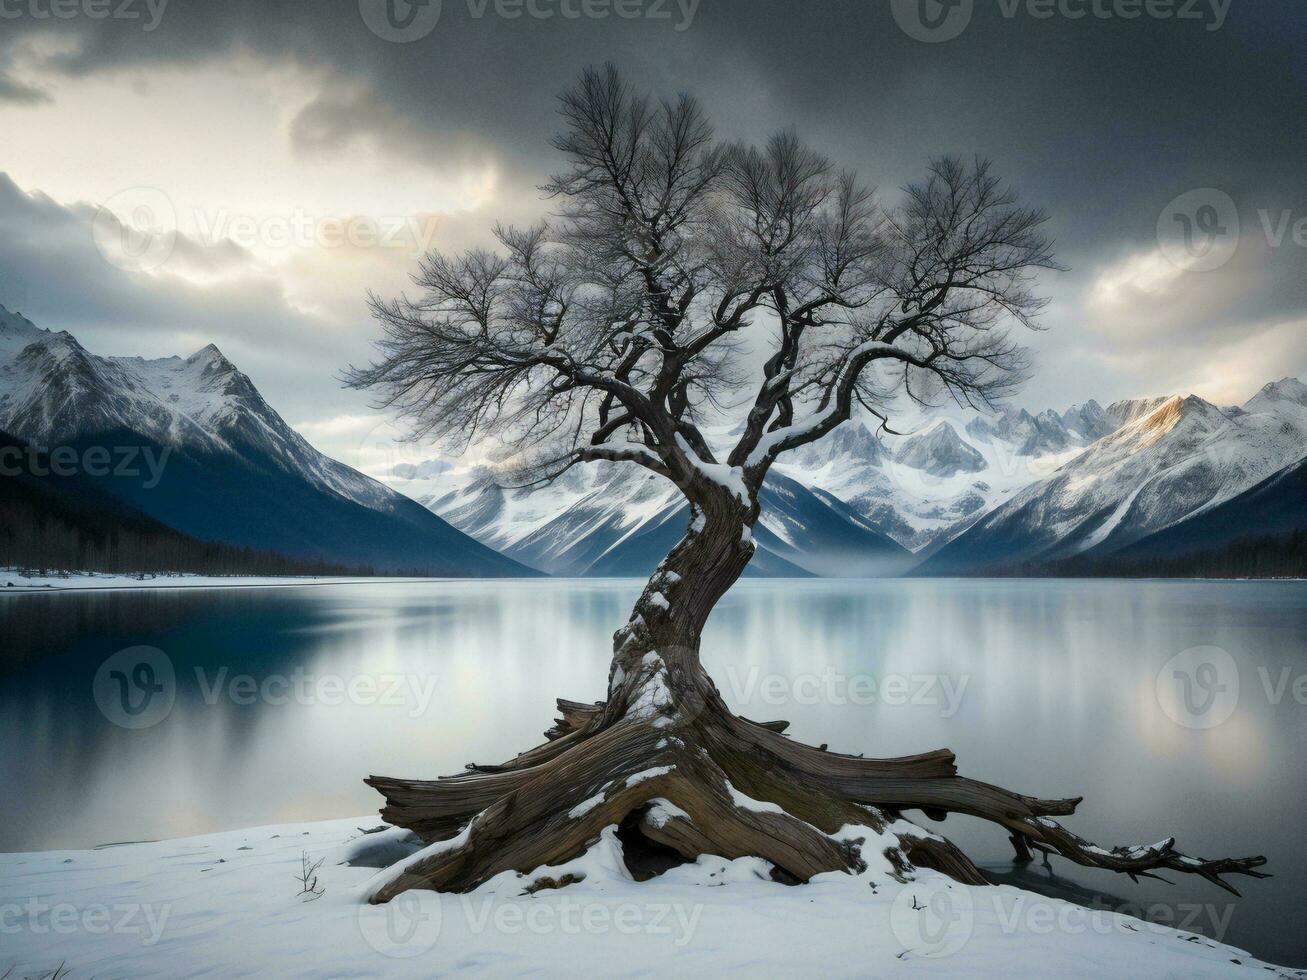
[(613, 334)]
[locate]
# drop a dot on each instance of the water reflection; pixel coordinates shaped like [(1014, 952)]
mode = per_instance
[(286, 698)]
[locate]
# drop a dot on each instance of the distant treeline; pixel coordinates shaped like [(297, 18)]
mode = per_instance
[(62, 535), (1268, 556), (53, 523)]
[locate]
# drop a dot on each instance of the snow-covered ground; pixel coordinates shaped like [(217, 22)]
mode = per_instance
[(12, 581), (230, 904)]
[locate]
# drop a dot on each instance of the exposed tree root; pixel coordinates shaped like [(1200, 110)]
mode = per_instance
[(704, 781)]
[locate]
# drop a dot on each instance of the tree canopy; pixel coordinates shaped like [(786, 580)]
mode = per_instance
[(683, 277)]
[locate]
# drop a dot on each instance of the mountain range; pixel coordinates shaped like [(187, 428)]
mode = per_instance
[(855, 504), (962, 493), (616, 521), (1170, 462), (232, 470)]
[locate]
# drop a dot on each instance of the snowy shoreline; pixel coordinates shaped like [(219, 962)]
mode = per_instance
[(11, 582), (229, 904)]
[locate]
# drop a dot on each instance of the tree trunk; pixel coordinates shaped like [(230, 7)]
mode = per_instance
[(664, 755), (659, 645)]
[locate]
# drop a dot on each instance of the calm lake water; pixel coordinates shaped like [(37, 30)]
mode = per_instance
[(272, 704)]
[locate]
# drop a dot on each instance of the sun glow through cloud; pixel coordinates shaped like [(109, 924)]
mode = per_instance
[(233, 171)]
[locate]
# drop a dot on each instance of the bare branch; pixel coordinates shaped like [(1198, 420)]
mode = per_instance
[(614, 333)]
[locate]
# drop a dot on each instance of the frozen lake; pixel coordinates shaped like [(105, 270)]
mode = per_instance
[(264, 705)]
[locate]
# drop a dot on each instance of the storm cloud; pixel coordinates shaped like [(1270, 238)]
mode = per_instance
[(1104, 112)]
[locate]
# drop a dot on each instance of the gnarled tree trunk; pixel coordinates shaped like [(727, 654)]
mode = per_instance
[(665, 756)]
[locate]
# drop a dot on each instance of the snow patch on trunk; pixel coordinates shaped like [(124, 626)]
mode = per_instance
[(749, 803), (646, 774)]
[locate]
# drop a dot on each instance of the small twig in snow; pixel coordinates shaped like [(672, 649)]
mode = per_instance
[(308, 877)]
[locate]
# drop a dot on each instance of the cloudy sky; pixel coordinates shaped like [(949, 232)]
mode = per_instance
[(306, 151)]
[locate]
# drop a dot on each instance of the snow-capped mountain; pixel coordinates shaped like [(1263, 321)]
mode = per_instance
[(1089, 422), (1029, 435), (1132, 409), (610, 519), (927, 485), (52, 390), (1286, 396), (940, 452), (1171, 460), (1276, 506), (235, 471)]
